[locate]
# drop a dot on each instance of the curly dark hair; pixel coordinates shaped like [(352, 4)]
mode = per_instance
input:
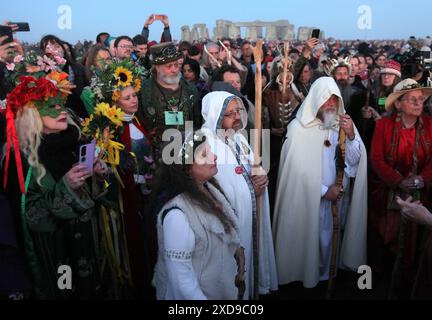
[(175, 179)]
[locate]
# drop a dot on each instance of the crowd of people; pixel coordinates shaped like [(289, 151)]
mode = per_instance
[(129, 161)]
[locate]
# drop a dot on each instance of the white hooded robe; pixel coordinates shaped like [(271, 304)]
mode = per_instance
[(302, 225), (237, 190)]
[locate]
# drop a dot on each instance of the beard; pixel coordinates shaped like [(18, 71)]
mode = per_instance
[(330, 119), (346, 91), (171, 80), (342, 83)]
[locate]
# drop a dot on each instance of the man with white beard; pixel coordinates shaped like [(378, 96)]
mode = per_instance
[(306, 189), (167, 101)]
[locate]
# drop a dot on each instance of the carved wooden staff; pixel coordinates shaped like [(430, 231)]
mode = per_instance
[(340, 169), (258, 54), (285, 73), (285, 69)]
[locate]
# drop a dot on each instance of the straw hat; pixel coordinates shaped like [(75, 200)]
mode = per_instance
[(403, 87)]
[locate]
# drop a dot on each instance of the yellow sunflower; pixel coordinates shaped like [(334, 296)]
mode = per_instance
[(101, 109), (112, 113), (137, 86), (123, 76), (115, 115), (116, 96)]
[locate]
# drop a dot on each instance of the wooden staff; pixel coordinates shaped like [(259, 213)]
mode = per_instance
[(229, 54), (340, 168), (258, 55), (285, 69)]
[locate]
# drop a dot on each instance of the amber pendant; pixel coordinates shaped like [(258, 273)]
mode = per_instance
[(239, 170)]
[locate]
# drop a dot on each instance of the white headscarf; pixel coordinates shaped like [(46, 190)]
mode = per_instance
[(214, 106)]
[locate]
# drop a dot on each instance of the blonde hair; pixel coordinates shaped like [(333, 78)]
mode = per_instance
[(29, 127)]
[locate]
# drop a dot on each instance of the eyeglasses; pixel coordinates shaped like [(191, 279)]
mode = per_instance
[(234, 113), (419, 100), (126, 47)]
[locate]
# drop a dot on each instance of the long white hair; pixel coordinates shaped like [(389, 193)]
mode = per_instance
[(29, 127)]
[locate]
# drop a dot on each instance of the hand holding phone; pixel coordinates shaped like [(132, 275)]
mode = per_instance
[(20, 26), (162, 18), (6, 31), (87, 155), (316, 33)]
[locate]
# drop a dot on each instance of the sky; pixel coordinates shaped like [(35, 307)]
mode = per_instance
[(385, 19)]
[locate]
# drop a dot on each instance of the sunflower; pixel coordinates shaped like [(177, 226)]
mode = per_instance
[(101, 109), (115, 115), (124, 76), (87, 121), (116, 96), (137, 86)]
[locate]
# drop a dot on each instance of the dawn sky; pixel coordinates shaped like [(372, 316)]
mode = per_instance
[(394, 19)]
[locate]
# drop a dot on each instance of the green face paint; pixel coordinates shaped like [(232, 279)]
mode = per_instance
[(51, 111)]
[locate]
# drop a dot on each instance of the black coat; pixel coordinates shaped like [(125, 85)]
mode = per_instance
[(74, 101)]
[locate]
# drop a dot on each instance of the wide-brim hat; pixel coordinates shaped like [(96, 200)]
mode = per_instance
[(164, 53), (404, 87)]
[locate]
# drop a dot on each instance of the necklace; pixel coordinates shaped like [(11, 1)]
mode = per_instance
[(173, 104), (239, 169)]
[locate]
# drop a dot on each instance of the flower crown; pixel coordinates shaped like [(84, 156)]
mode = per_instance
[(50, 90), (114, 77), (40, 93), (33, 64)]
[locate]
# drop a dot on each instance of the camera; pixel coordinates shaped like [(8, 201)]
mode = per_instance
[(414, 62)]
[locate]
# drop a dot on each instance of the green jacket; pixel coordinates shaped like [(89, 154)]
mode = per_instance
[(59, 229), (152, 109)]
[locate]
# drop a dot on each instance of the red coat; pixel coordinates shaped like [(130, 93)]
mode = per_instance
[(391, 164)]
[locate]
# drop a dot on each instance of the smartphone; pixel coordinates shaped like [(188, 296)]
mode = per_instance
[(22, 26), (159, 17), (316, 33), (87, 155), (6, 31)]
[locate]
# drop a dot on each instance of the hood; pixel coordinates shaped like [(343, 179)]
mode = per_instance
[(214, 106), (322, 89)]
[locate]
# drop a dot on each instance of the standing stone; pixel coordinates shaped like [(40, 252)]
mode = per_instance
[(271, 32), (186, 34)]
